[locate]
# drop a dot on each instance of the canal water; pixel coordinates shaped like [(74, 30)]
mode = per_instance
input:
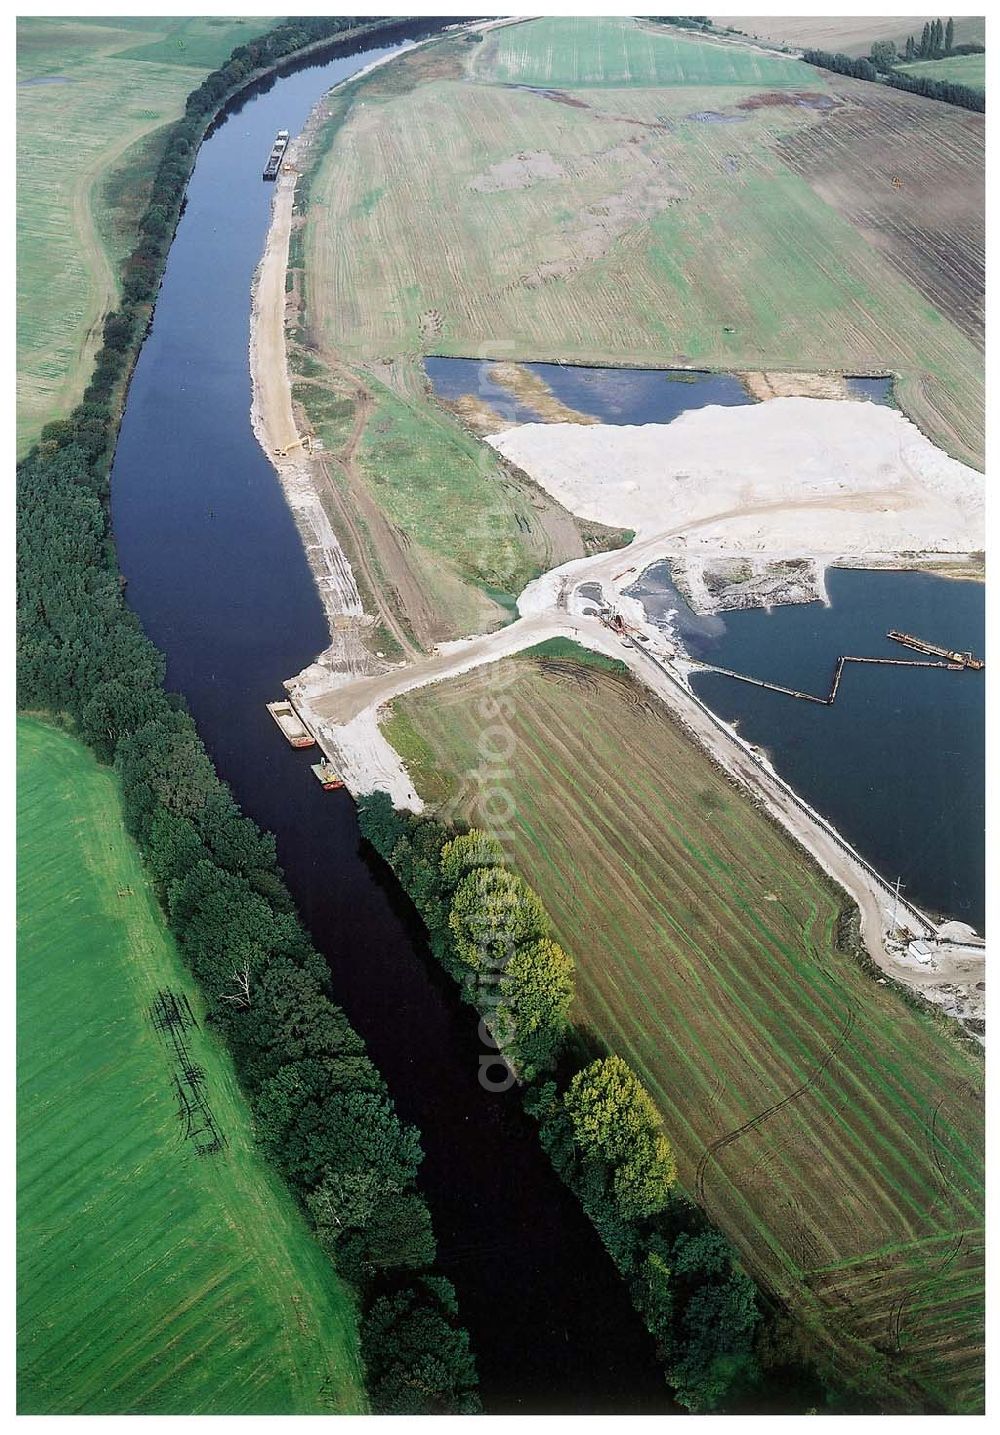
[(217, 574), (897, 763)]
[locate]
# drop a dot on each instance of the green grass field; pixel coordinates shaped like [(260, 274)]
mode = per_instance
[(120, 81), (653, 234), (962, 69), (618, 51), (150, 1280), (441, 486), (831, 1130)]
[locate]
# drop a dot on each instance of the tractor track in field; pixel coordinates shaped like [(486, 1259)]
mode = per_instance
[(727, 1140)]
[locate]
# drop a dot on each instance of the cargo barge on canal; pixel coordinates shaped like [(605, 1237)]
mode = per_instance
[(291, 725), (276, 156)]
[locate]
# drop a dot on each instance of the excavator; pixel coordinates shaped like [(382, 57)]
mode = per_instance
[(614, 620), (304, 443)]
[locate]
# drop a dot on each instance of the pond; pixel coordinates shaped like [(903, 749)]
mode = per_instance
[(612, 395)]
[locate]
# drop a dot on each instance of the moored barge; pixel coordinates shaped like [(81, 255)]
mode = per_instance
[(276, 156), (326, 776), (291, 725)]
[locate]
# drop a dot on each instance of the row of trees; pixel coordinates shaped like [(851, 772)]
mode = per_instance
[(948, 91), (936, 42), (323, 1111), (597, 1121), (685, 22)]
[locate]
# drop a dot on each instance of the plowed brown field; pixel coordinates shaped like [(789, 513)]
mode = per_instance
[(931, 224)]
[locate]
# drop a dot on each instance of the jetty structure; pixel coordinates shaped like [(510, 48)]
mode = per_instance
[(954, 661), (276, 156)]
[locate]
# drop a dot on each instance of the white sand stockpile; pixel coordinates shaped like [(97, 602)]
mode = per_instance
[(793, 476)]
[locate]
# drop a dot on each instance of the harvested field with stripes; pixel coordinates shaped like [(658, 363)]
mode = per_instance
[(163, 1268), (834, 1131), (650, 224), (617, 51), (931, 224), (91, 96), (848, 34)]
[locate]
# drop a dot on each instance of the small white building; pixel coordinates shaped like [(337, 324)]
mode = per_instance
[(921, 951)]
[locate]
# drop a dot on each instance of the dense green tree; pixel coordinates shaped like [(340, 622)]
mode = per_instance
[(291, 1019), (380, 823), (416, 860), (615, 1122), (417, 1361), (345, 1198), (226, 928), (657, 1294), (164, 764), (714, 1355), (493, 912), (536, 992), (398, 1233), (463, 854), (312, 1127), (644, 1178), (949, 36)]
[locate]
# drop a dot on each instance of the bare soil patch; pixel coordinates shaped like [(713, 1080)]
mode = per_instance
[(773, 385), (803, 99), (518, 172), (793, 477)]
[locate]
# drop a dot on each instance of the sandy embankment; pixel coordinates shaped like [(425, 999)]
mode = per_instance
[(272, 416), (793, 478), (273, 420)]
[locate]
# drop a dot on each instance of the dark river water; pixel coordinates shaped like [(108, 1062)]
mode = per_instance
[(897, 763), (217, 574)]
